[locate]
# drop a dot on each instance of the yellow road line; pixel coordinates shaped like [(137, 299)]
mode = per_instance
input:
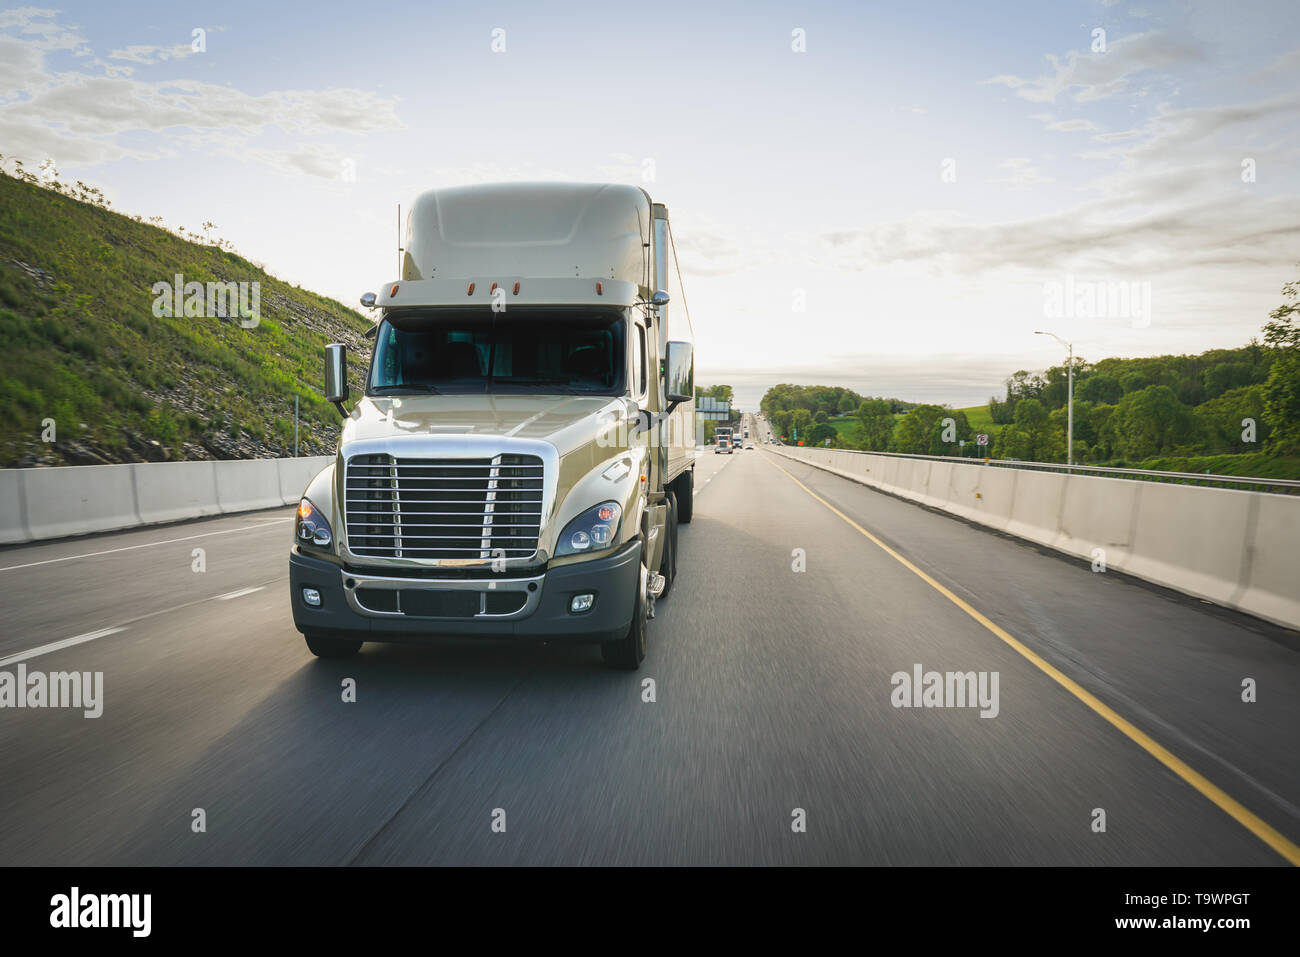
[(1225, 802)]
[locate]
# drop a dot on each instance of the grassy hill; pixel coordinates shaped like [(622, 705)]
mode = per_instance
[(83, 347)]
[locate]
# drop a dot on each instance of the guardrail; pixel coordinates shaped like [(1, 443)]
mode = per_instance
[(1205, 479), (1233, 547), (44, 503)]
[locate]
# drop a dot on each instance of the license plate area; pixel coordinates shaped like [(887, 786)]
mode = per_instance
[(427, 603)]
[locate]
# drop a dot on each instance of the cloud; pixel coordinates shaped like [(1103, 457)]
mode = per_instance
[(1071, 126), (77, 117), (141, 53), (1096, 76), (1225, 230), (1023, 173)]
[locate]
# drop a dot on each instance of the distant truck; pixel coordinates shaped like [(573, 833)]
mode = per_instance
[(519, 461)]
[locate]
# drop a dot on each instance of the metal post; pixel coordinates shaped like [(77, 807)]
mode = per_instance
[(1069, 433)]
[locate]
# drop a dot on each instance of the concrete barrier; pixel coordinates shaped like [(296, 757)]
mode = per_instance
[(1270, 586), (79, 500), (1098, 514), (1036, 509), (171, 491), (1235, 548), (1193, 539), (249, 484), (43, 503), (296, 474), (13, 516)]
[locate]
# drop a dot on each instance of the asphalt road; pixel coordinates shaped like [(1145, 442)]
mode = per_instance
[(772, 693)]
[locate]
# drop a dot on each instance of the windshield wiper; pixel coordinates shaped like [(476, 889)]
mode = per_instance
[(420, 387), (557, 384)]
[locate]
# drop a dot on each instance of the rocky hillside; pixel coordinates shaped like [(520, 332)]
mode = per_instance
[(90, 375)]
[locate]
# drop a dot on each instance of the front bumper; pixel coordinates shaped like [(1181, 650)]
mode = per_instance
[(370, 606)]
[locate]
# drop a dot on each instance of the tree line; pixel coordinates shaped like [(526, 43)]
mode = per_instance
[(1223, 401)]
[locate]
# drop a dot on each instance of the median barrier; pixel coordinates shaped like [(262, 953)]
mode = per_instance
[(172, 491), (13, 520), (79, 499), (1234, 548), (44, 503)]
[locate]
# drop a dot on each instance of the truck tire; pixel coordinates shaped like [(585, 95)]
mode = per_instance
[(685, 496), (324, 647), (668, 563), (628, 652)]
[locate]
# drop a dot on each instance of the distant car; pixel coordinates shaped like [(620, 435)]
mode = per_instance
[(749, 445)]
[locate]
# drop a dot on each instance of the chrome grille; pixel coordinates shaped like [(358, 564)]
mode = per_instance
[(483, 508)]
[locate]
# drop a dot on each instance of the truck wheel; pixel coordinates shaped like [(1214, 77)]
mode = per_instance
[(324, 647), (686, 497), (628, 652), (668, 562)]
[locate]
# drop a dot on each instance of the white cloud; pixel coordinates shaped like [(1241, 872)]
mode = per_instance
[(1023, 173), (1096, 76), (142, 53), (1071, 126), (79, 118)]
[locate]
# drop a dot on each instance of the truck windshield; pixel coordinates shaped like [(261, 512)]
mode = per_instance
[(535, 351)]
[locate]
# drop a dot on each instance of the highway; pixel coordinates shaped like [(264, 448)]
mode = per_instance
[(772, 692)]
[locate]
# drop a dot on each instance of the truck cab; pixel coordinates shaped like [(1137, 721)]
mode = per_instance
[(519, 457)]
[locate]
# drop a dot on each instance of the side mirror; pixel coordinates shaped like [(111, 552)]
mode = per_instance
[(660, 298), (336, 375), (368, 300), (679, 373)]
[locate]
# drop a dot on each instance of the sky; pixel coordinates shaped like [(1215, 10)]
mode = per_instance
[(890, 197)]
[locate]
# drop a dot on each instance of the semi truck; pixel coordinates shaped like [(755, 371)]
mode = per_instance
[(518, 461)]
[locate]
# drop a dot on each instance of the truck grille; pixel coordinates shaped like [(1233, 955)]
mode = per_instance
[(443, 508)]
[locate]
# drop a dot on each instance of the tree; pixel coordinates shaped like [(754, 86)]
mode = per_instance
[(912, 432), (845, 405), (875, 425), (1152, 421), (1220, 421), (946, 439), (1031, 437), (1282, 388), (1100, 388), (723, 393), (819, 433)]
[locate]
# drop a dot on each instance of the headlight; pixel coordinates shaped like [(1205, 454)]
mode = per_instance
[(310, 527), (593, 530)]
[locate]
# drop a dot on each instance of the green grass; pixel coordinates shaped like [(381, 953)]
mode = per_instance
[(845, 426), (1255, 464), (85, 349), (979, 418)]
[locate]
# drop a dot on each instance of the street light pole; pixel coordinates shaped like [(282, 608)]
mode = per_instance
[(1069, 393)]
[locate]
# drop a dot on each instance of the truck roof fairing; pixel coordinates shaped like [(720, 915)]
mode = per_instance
[(531, 230)]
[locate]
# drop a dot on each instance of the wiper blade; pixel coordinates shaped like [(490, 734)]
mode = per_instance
[(555, 384), (418, 387)]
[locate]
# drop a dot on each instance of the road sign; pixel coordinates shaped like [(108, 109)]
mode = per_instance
[(982, 438)]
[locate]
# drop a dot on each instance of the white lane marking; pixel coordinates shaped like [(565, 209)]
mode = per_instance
[(59, 645), (239, 594), (127, 548)]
